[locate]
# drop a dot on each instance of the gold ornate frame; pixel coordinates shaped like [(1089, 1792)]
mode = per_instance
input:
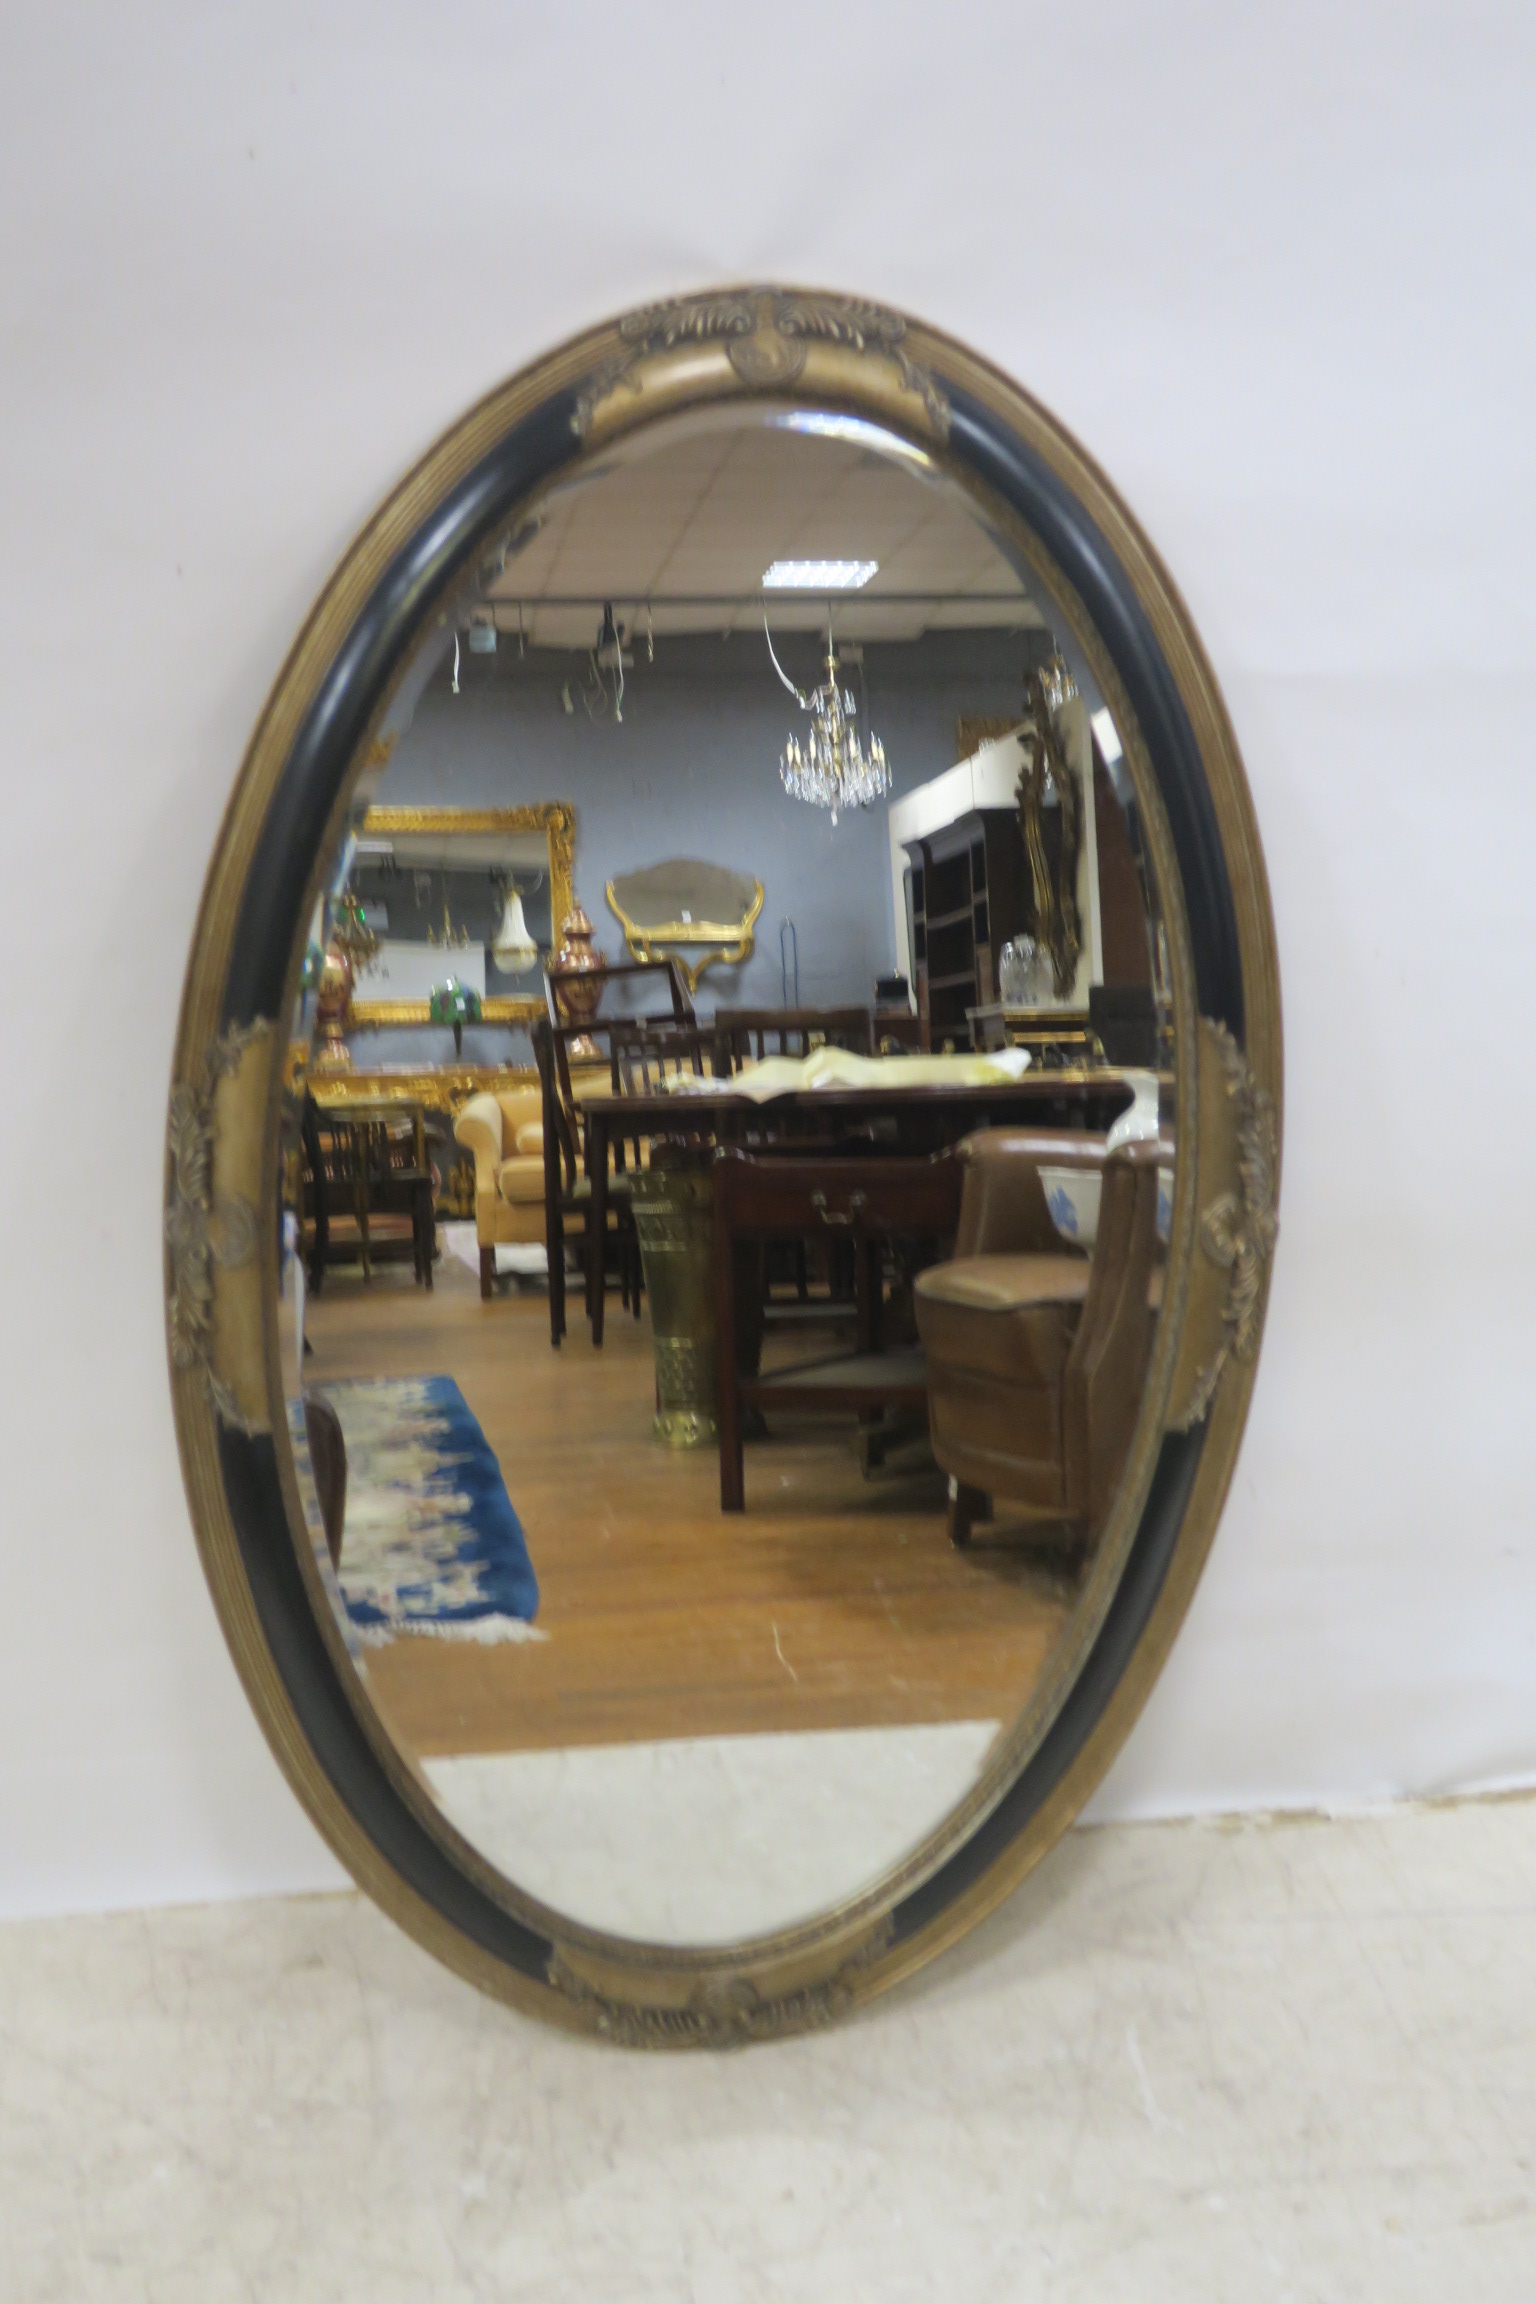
[(556, 819), (1057, 511), (729, 941)]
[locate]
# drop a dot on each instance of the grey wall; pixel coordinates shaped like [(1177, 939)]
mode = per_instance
[(693, 771)]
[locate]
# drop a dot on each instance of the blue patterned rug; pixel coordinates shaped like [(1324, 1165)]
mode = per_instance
[(431, 1543)]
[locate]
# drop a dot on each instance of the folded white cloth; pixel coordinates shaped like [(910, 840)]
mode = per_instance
[(841, 1068)]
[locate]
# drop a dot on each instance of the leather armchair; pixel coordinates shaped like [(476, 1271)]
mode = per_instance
[(1036, 1354)]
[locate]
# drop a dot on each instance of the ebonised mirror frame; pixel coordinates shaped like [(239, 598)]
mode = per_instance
[(423, 547)]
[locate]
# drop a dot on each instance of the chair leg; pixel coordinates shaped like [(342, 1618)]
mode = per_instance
[(487, 1271), (967, 1505), (555, 1246), (593, 1251), (732, 1486)]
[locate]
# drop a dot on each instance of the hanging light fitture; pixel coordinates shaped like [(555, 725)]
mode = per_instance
[(514, 950), (833, 770)]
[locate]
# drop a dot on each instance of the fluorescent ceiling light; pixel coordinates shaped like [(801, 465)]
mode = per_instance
[(818, 575)]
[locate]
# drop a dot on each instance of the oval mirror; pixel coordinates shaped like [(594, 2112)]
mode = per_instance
[(722, 1167)]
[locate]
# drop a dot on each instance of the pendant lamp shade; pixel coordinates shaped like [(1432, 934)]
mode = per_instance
[(514, 950)]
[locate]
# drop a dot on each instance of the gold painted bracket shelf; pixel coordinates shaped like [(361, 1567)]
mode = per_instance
[(729, 941)]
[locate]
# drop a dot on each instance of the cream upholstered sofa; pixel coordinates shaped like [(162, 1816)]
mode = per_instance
[(505, 1133)]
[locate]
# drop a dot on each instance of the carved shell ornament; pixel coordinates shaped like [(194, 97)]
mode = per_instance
[(766, 333)]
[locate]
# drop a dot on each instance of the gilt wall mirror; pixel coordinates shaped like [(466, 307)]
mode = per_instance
[(701, 914), (699, 1496), (478, 894)]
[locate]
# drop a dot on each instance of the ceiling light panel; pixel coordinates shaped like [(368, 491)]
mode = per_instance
[(818, 575)]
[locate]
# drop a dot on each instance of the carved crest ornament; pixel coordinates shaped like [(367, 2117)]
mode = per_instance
[(723, 2011), (766, 334)]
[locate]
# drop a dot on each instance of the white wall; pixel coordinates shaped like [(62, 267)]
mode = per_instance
[(1273, 266)]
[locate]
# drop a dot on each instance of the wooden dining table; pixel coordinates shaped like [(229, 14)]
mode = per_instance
[(925, 1120)]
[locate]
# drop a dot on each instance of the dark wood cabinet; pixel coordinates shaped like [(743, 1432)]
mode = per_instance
[(967, 895)]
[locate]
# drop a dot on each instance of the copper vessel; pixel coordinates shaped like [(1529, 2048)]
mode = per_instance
[(333, 1010), (578, 1003)]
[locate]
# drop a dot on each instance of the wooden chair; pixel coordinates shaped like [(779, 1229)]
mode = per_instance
[(1037, 1355), (742, 1033), (897, 1031), (646, 1052), (560, 984), (366, 1193), (568, 1188), (396, 1180), (868, 1202)]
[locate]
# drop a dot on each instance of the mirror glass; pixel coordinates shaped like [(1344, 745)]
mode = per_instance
[(728, 1163)]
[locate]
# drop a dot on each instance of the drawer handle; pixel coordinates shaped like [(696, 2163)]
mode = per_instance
[(857, 1203)]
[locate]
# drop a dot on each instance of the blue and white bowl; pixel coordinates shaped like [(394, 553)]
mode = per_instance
[(1072, 1196)]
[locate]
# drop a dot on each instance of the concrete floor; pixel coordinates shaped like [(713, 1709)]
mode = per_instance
[(1257, 2061)]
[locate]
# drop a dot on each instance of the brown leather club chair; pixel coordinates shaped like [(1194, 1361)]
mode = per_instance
[(1036, 1354)]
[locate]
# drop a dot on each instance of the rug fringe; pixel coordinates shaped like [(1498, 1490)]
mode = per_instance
[(489, 1631)]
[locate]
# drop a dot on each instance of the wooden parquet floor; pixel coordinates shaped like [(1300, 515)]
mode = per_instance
[(834, 1601)]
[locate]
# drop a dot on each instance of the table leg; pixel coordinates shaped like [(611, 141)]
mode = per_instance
[(727, 1397), (597, 1222), (360, 1189)]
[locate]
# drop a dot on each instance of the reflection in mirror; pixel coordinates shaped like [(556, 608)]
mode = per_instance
[(711, 1389)]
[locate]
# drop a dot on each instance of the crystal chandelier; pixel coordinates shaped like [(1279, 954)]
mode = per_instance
[(833, 770)]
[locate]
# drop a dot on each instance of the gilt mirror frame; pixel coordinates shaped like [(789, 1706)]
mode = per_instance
[(728, 942), (556, 819), (423, 551)]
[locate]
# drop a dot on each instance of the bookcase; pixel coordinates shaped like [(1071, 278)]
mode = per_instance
[(966, 893)]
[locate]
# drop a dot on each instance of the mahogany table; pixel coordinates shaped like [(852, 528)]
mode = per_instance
[(926, 1119)]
